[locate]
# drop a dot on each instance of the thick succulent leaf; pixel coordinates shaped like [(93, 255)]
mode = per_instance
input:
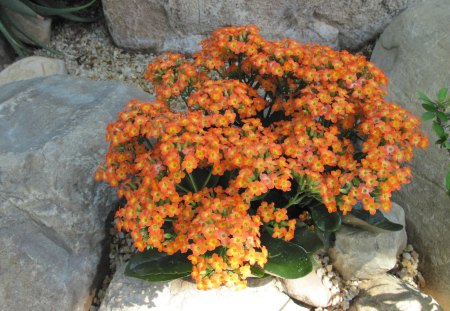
[(307, 239), (286, 260), (324, 220), (358, 217), (19, 6), (48, 11), (154, 266), (258, 272)]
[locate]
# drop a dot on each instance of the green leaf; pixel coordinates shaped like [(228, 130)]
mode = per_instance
[(20, 7), (258, 272), (428, 115), (442, 94), (424, 98), (154, 266), (442, 117), (286, 260), (429, 107), (360, 218), (307, 239), (438, 129), (324, 220)]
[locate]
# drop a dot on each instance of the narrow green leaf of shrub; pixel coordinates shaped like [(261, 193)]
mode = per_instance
[(286, 260), (307, 239), (424, 98), (20, 7), (324, 220), (429, 107), (442, 116), (442, 94), (360, 218), (154, 266), (428, 115), (438, 129)]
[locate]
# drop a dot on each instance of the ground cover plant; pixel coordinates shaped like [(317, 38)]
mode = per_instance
[(272, 147)]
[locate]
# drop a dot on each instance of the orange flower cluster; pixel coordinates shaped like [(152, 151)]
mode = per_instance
[(261, 117)]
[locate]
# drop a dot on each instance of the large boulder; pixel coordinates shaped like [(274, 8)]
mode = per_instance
[(52, 212), (414, 52), (130, 294), (180, 24), (308, 289), (388, 293), (363, 254), (32, 67)]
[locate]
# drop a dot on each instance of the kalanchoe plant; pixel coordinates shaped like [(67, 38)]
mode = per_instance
[(278, 144), (439, 112), (37, 9)]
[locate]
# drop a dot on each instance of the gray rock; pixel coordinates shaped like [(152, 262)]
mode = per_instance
[(52, 212), (388, 293), (6, 53), (39, 29), (131, 294), (414, 53), (308, 289), (180, 24), (32, 67), (362, 254)]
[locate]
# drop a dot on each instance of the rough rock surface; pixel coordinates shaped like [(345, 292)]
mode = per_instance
[(308, 289), (414, 53), (364, 254), (52, 212), (388, 293), (32, 67), (131, 294), (6, 53), (180, 24)]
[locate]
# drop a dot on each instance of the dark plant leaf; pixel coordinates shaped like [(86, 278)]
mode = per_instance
[(154, 266), (360, 218), (286, 260), (307, 239), (20, 7), (48, 11), (324, 220)]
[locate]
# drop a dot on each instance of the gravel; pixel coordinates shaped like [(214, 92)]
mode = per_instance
[(89, 52)]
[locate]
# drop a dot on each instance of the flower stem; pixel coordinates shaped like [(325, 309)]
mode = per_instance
[(207, 178), (183, 188), (194, 185)]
